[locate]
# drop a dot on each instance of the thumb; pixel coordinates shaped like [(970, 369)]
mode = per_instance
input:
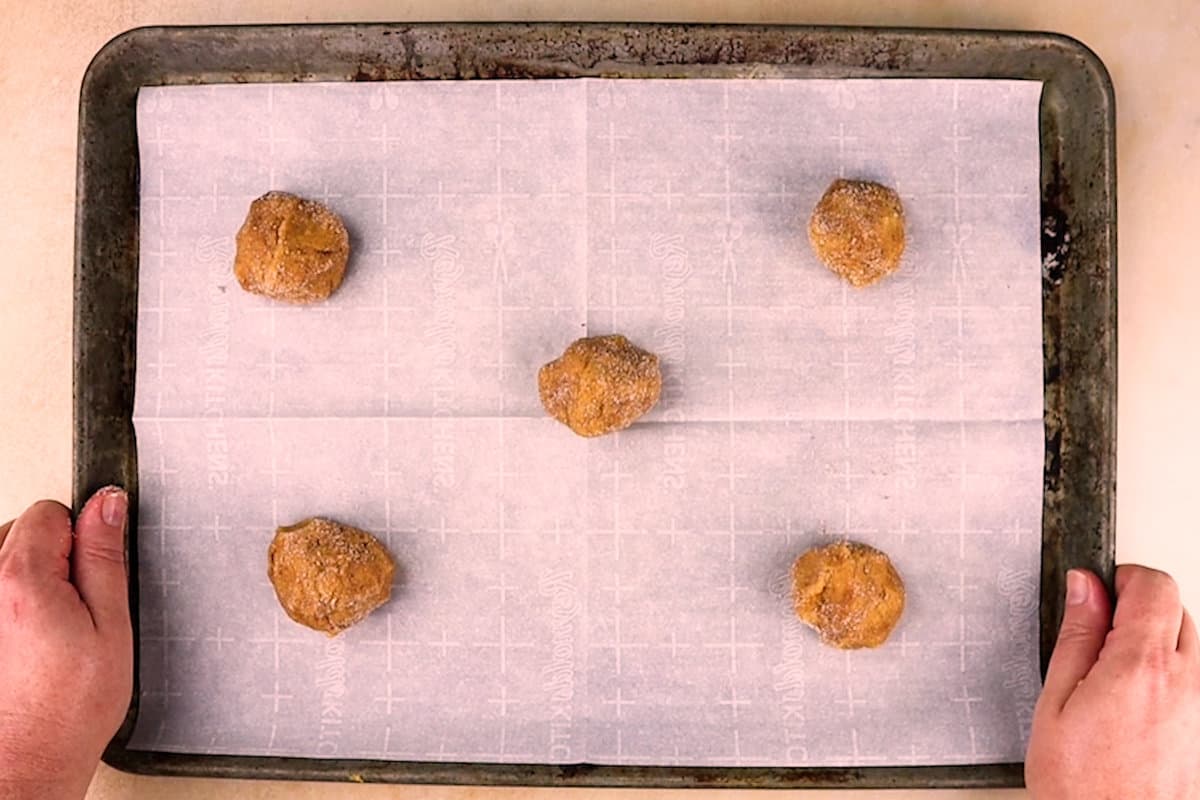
[(1086, 621), (98, 558)]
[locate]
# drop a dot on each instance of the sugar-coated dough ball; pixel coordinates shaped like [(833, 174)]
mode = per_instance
[(291, 249), (857, 230), (849, 592), (600, 384), (328, 576)]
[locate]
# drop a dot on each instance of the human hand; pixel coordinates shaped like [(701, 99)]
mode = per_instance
[(1119, 716), (66, 645)]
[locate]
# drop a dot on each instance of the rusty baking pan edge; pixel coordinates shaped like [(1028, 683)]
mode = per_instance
[(1079, 282)]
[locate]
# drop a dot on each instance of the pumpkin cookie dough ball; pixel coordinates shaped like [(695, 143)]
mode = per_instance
[(600, 384), (328, 576), (857, 230), (850, 593), (291, 249)]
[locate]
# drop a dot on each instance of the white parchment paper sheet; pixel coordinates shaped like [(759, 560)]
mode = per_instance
[(625, 599)]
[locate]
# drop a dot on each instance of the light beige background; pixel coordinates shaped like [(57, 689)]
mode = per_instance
[(1151, 47)]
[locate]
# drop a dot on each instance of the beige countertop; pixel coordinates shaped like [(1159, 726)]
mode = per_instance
[(1152, 49)]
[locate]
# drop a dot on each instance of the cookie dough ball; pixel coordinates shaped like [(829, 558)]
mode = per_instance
[(850, 593), (857, 230), (291, 249), (328, 576), (600, 384)]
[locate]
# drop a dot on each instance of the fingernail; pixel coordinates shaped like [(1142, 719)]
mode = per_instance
[(1077, 588), (114, 506)]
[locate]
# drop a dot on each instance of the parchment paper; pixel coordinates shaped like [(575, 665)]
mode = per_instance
[(625, 599)]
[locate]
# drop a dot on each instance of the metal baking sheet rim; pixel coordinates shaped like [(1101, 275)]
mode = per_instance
[(1079, 284)]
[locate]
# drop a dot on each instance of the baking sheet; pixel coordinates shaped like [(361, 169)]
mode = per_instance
[(620, 600)]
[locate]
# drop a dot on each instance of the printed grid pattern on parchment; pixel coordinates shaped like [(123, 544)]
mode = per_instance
[(620, 600)]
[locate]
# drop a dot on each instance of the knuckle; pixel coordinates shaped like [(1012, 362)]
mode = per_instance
[(105, 551), (44, 511), (1076, 630), (1073, 629), (1156, 583), (1150, 664)]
